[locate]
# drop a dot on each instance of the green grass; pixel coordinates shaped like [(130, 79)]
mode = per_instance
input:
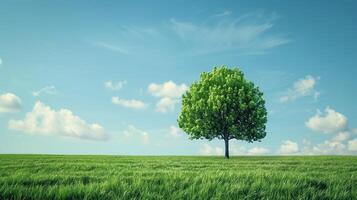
[(146, 177)]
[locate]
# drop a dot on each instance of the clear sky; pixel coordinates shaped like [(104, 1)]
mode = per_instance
[(105, 77)]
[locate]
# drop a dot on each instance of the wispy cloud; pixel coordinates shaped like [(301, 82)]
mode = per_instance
[(175, 132), (245, 35), (46, 90), (223, 14), (302, 87), (111, 47), (110, 85), (132, 103), (134, 133), (248, 34)]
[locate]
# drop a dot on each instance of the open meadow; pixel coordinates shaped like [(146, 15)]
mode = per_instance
[(177, 177)]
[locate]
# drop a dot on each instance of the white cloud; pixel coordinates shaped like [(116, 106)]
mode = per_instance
[(305, 86), (135, 104), (44, 120), (339, 144), (316, 95), (9, 103), (109, 85), (134, 133), (341, 136), (111, 47), (352, 145), (46, 90), (168, 89), (175, 132), (354, 130), (331, 122), (166, 104), (328, 147), (258, 151), (301, 88), (234, 149), (169, 94), (1, 61), (207, 149), (334, 123), (289, 147), (307, 147)]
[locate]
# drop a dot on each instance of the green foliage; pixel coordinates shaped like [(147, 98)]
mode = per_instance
[(223, 105), (56, 177)]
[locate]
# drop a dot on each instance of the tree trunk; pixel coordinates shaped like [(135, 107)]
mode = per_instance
[(226, 142)]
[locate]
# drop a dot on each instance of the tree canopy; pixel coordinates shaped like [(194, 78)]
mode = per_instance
[(223, 105)]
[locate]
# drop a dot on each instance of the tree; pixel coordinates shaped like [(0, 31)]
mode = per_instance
[(223, 105)]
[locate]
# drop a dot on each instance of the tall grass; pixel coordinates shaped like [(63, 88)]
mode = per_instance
[(140, 177)]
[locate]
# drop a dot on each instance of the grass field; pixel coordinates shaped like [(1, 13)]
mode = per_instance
[(135, 177)]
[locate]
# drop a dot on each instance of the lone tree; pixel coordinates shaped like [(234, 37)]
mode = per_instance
[(223, 105)]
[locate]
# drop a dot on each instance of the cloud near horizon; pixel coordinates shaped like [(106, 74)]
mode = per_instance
[(333, 123), (352, 145), (288, 147), (207, 149), (134, 133), (46, 121), (258, 151)]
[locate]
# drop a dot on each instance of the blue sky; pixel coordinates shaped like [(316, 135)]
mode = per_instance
[(91, 77)]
